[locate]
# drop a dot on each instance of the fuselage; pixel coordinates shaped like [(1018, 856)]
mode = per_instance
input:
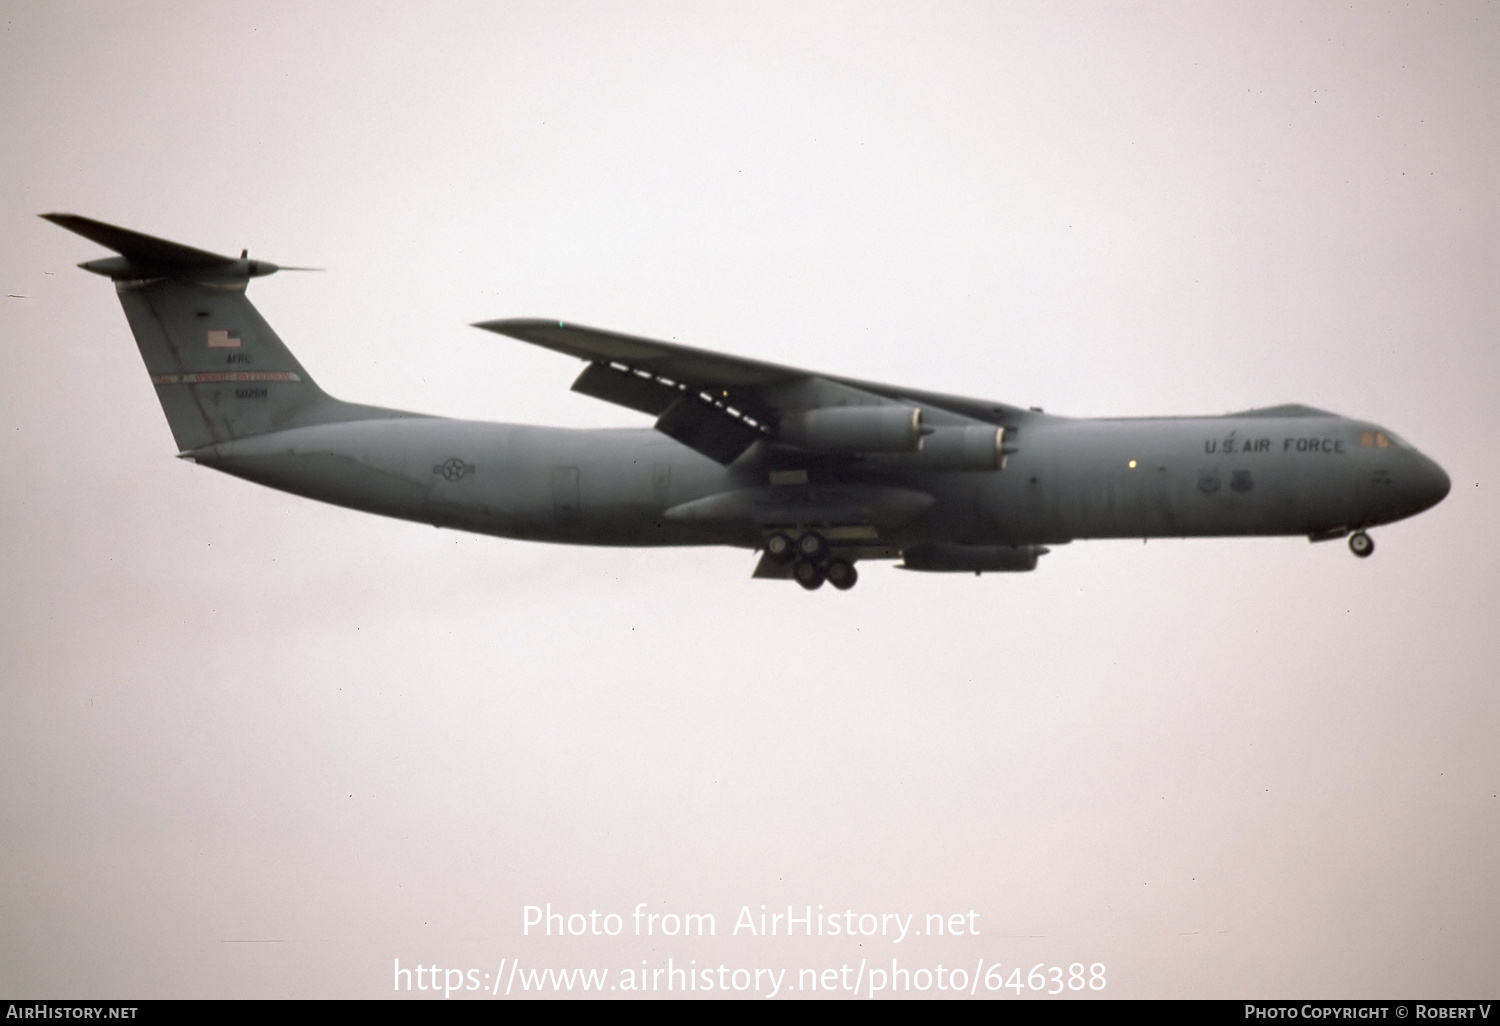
[(1285, 471)]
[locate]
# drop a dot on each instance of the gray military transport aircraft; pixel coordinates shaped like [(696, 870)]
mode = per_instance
[(815, 472)]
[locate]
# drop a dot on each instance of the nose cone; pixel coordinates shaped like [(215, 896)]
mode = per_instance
[(1429, 484)]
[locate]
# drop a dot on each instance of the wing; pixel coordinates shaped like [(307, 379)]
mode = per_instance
[(720, 405)]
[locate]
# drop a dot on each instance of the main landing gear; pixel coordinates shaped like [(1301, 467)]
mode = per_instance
[(780, 547), (810, 556), (841, 574), (1361, 544), (809, 575)]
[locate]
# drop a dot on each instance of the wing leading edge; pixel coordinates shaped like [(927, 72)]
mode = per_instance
[(718, 404)]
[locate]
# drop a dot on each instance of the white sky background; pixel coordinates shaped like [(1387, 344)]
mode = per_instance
[(1222, 768)]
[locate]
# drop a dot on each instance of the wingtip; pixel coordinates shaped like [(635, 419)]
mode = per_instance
[(510, 325)]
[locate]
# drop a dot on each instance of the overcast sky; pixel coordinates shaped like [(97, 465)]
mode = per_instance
[(255, 746)]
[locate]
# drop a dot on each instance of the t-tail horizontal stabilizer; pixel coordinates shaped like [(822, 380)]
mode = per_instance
[(145, 256)]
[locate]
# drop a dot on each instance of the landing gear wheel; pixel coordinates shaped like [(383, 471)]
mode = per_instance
[(812, 546), (809, 575), (1361, 544), (780, 548), (841, 574)]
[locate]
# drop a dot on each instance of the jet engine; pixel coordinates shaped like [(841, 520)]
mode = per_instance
[(854, 429), (974, 447)]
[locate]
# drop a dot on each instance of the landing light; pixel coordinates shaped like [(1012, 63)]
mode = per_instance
[(1132, 464)]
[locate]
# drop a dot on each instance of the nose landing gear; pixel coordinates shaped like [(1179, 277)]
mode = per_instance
[(1361, 544)]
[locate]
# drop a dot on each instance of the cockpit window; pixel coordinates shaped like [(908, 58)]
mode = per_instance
[(1379, 440)]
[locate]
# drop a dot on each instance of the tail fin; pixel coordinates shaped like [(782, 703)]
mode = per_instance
[(220, 372)]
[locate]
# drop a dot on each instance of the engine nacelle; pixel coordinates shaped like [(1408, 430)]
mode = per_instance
[(973, 447), (940, 557), (854, 429)]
